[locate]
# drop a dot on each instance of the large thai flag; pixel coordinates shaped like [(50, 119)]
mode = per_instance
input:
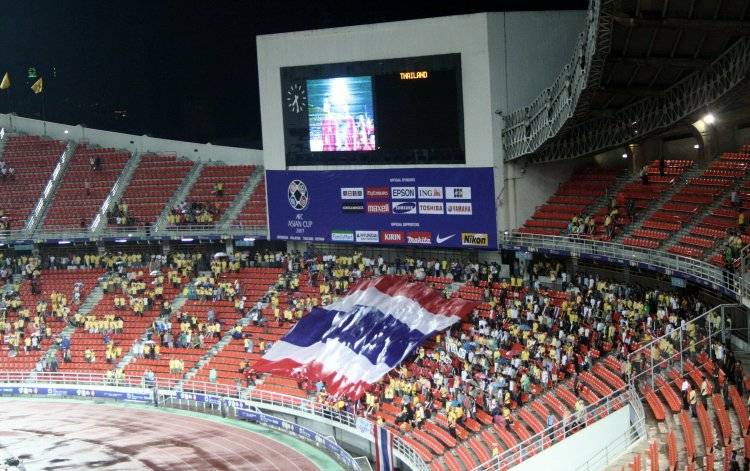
[(353, 342)]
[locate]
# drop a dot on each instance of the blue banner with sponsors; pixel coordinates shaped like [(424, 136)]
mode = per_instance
[(435, 207)]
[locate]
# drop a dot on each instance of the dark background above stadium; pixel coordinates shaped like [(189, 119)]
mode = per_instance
[(175, 69)]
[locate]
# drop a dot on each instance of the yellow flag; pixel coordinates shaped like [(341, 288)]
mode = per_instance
[(5, 84), (38, 86)]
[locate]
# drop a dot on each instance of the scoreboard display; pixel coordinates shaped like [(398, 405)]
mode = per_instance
[(396, 111)]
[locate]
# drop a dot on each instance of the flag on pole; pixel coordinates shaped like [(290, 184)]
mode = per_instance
[(38, 86), (383, 449), (5, 84)]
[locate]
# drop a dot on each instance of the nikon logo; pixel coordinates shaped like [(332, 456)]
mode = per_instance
[(475, 239)]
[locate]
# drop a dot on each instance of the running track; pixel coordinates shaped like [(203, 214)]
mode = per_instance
[(70, 435)]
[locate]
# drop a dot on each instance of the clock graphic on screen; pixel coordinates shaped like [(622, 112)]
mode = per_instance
[(296, 98)]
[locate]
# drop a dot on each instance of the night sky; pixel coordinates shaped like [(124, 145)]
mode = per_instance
[(179, 69)]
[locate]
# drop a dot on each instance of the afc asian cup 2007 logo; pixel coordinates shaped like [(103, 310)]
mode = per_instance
[(298, 195)]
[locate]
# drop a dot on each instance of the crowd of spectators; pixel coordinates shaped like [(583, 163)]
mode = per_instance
[(6, 171), (196, 212), (119, 216), (521, 341)]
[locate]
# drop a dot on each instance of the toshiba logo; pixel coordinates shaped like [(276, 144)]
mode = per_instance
[(475, 239)]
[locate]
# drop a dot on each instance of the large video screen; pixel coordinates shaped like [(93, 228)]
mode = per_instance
[(341, 114), (394, 111)]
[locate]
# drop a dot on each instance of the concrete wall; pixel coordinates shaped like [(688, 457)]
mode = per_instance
[(681, 149), (586, 443), (528, 187), (537, 45), (131, 142), (507, 59), (465, 34)]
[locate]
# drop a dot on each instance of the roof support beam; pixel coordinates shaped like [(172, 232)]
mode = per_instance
[(682, 63), (727, 27)]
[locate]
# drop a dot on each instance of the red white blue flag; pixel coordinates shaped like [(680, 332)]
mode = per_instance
[(383, 449), (355, 341)]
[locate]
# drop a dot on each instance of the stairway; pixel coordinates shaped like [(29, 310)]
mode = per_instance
[(656, 205), (242, 197), (658, 432), (625, 178), (115, 194), (88, 304), (179, 195), (705, 211), (177, 303), (48, 194)]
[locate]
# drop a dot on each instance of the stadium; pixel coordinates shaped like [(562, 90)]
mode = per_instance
[(485, 241)]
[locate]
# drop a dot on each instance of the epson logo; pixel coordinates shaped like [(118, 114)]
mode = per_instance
[(407, 207), (403, 193), (429, 207), (430, 192)]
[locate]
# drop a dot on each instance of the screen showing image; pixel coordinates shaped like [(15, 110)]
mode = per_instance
[(341, 114), (382, 112)]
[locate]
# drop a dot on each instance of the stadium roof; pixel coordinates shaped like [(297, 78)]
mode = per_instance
[(642, 65)]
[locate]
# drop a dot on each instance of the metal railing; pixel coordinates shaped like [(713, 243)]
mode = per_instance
[(561, 429), (667, 263), (128, 232), (671, 349), (249, 397)]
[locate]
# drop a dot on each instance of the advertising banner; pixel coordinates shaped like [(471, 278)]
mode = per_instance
[(435, 207)]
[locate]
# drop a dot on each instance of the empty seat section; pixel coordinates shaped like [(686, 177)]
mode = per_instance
[(233, 178), (73, 205), (253, 214), (33, 159), (154, 182)]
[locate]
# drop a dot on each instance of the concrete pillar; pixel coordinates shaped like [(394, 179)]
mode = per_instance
[(636, 157), (714, 138)]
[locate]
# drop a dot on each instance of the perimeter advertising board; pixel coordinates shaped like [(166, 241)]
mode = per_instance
[(435, 207)]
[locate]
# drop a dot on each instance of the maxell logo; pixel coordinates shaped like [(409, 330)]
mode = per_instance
[(367, 236), (342, 236), (405, 207), (378, 192), (461, 209), (392, 237), (458, 192), (352, 193), (475, 239), (378, 208), (431, 208), (419, 237), (430, 192), (353, 208), (403, 193)]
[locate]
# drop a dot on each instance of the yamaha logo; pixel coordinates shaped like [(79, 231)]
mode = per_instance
[(298, 195)]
